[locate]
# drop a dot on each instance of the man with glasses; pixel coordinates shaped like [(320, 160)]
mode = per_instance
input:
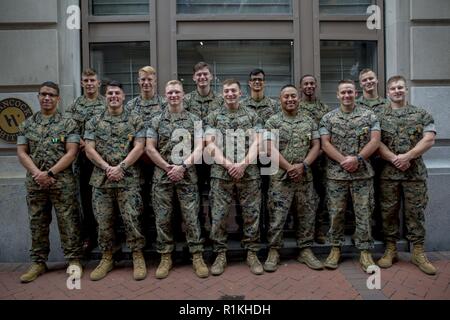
[(81, 110), (47, 144)]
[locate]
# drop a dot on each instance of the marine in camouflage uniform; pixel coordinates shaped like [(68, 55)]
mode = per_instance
[(201, 102), (147, 105), (316, 109), (371, 100), (407, 133), (299, 146), (176, 177), (115, 140), (349, 136), (265, 107), (227, 174), (47, 146), (81, 110)]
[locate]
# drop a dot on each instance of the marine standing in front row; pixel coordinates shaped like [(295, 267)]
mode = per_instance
[(114, 142)]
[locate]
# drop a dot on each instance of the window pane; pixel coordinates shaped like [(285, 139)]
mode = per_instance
[(234, 6), (344, 60), (119, 7), (120, 62), (235, 59), (345, 7)]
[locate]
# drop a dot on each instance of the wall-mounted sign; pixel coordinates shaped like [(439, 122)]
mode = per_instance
[(13, 112)]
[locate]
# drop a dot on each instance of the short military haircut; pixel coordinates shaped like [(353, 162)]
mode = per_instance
[(49, 84), (288, 86), (89, 72), (174, 83), (364, 71), (255, 72), (147, 70), (395, 79), (306, 76), (201, 65), (229, 82), (114, 83), (346, 81)]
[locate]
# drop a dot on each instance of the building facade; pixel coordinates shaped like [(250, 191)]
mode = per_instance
[(332, 39)]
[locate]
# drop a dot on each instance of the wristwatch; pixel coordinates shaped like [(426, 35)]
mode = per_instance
[(184, 165), (123, 166), (50, 174), (360, 158)]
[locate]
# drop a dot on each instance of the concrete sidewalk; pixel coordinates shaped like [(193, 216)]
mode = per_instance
[(292, 281)]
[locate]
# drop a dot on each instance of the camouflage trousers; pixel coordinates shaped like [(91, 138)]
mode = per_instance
[(221, 199), (361, 192), (189, 199), (129, 202), (40, 203), (415, 199), (281, 196)]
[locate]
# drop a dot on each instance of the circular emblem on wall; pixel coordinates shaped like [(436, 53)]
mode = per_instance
[(13, 112)]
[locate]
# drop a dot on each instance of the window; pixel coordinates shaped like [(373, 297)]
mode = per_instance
[(263, 7), (235, 59), (345, 7), (120, 61), (119, 7), (344, 60)]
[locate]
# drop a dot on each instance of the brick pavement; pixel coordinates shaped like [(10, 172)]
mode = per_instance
[(293, 281)]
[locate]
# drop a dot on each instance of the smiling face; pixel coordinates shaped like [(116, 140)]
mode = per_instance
[(231, 94), (48, 100), (347, 94), (308, 86), (257, 82), (174, 95), (90, 85), (202, 78), (289, 100), (397, 91), (147, 83), (368, 82), (114, 97)]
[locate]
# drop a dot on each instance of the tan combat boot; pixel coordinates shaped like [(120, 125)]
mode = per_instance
[(139, 267), (307, 257), (105, 266), (164, 266), (420, 259), (219, 264), (332, 261), (365, 259), (254, 263), (200, 268), (75, 264), (35, 270), (389, 256), (273, 258)]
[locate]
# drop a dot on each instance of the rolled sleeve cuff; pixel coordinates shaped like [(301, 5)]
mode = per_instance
[(210, 132), (429, 128), (141, 134), (73, 138), (22, 140), (324, 131), (315, 135), (89, 135), (268, 135), (151, 134), (376, 127)]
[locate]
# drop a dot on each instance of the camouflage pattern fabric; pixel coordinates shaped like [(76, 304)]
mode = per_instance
[(82, 109), (225, 120), (46, 138), (265, 108), (40, 204), (221, 198), (202, 106), (361, 192), (162, 128), (316, 110), (129, 202), (114, 139), (376, 105), (146, 109), (189, 199), (349, 133)]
